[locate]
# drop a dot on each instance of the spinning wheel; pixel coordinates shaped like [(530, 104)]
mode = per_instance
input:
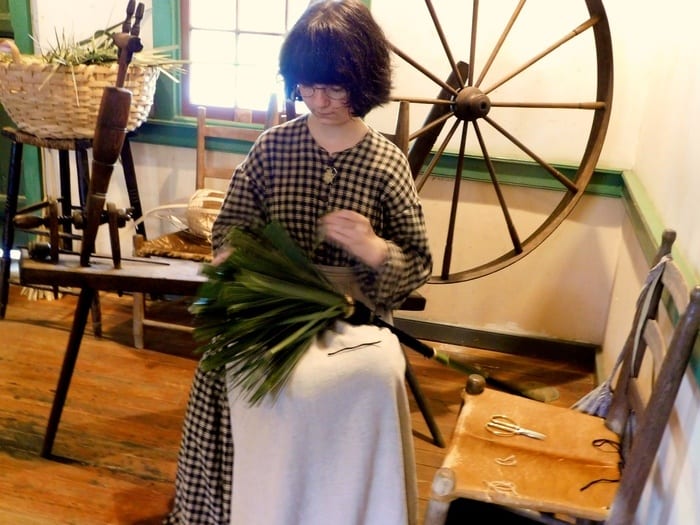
[(480, 116)]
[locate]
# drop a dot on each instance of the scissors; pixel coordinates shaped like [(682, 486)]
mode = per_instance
[(501, 425)]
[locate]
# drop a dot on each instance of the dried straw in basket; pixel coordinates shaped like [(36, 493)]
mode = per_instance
[(56, 101)]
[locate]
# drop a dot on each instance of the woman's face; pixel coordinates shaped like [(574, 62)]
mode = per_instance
[(329, 104)]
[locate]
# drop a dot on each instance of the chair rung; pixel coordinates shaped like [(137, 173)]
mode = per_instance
[(170, 326)]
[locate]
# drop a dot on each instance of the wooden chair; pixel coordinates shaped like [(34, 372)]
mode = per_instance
[(183, 244), (588, 469)]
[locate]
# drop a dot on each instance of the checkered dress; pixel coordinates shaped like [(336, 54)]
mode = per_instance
[(289, 178)]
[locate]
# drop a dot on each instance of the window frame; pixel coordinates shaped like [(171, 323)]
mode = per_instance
[(167, 125), (232, 114)]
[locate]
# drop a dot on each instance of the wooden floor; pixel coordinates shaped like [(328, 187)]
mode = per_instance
[(117, 443)]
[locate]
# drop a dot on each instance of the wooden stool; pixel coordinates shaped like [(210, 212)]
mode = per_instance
[(63, 146)]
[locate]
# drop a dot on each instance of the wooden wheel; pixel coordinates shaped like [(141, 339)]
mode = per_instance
[(479, 113)]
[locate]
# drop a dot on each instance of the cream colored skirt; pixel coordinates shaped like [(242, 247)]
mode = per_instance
[(335, 447)]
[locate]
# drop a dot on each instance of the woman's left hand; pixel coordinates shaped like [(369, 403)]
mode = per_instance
[(354, 233)]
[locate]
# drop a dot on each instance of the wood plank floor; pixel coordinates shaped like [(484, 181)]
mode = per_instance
[(117, 443)]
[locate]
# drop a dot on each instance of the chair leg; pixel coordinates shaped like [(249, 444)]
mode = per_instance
[(423, 405), (436, 513), (96, 316), (138, 313)]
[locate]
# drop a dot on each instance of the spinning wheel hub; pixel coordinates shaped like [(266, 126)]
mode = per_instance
[(471, 104)]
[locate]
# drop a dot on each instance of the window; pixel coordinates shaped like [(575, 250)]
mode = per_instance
[(232, 47)]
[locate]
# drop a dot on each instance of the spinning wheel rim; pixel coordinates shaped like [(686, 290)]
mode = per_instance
[(464, 99)]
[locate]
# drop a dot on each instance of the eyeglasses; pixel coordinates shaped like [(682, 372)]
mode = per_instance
[(332, 92)]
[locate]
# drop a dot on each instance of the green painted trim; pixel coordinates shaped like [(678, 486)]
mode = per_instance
[(648, 227), (21, 202), (182, 132), (31, 182), (21, 20), (606, 183), (642, 214), (166, 32), (5, 25)]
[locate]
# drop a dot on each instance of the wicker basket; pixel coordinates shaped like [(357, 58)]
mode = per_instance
[(54, 101)]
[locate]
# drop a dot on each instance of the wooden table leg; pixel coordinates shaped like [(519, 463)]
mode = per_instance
[(8, 238), (85, 302), (96, 310)]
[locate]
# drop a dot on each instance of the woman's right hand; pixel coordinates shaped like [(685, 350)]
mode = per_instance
[(353, 232), (221, 256)]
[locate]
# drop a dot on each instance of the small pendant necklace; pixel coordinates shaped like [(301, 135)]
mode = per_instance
[(329, 174)]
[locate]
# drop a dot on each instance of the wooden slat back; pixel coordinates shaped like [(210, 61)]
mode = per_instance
[(207, 129), (655, 374)]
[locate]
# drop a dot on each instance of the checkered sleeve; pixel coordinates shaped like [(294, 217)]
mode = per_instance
[(409, 262), (244, 203)]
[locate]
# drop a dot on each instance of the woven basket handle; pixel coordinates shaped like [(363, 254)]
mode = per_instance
[(8, 46)]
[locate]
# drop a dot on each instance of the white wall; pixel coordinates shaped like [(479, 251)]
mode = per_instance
[(665, 71), (79, 19)]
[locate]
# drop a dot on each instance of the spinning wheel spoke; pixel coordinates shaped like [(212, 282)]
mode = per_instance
[(447, 259), (499, 44), (551, 169), (578, 31), (421, 178), (551, 105), (516, 58), (515, 239), (423, 70), (439, 121), (417, 100), (443, 40), (472, 42)]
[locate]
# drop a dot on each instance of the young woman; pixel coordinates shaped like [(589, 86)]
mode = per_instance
[(336, 445)]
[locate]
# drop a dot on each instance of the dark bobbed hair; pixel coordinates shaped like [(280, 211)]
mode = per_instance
[(338, 42)]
